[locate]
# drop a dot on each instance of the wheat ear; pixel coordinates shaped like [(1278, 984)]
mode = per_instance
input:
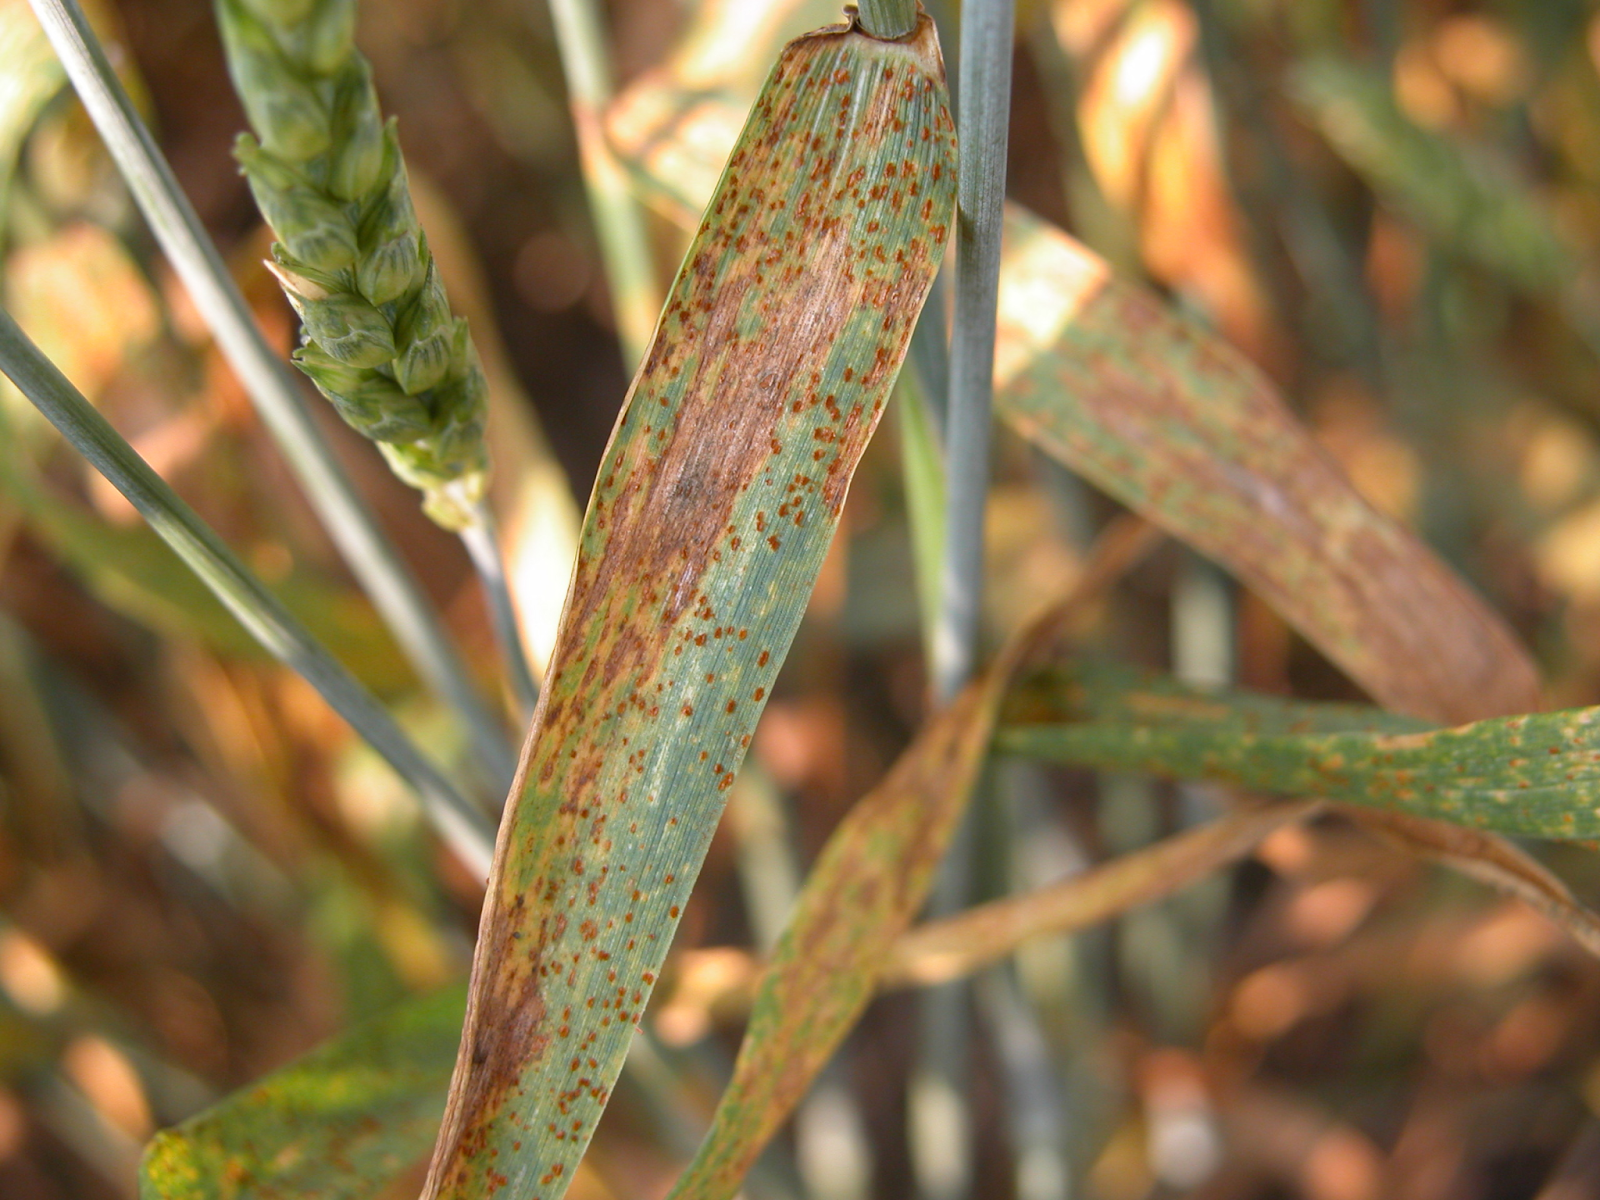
[(379, 340)]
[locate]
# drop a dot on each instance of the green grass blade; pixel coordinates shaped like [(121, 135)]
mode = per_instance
[(716, 501), (922, 469), (339, 1124), (1537, 774), (272, 389), (251, 604)]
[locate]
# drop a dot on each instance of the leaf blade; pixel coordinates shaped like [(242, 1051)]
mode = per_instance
[(1185, 431), (716, 501), (338, 1123), (872, 876), (954, 946), (1523, 774)]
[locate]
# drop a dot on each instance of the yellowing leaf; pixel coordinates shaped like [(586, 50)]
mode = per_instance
[(955, 946), (336, 1124)]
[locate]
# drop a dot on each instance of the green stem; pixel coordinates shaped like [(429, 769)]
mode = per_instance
[(272, 389), (888, 20), (261, 613), (484, 548), (941, 1124), (922, 470), (986, 37), (636, 294)]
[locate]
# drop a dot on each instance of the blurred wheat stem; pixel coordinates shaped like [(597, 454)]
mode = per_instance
[(462, 825), (939, 1124), (888, 19), (636, 295), (483, 545), (272, 389)]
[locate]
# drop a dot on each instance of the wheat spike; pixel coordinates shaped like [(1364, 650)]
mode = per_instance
[(379, 340)]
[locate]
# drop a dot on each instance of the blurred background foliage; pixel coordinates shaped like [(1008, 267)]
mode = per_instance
[(1393, 208)]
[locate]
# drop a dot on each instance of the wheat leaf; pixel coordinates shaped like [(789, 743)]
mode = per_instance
[(1470, 201), (869, 882), (1535, 774), (716, 500), (1184, 430), (954, 946), (337, 1124)]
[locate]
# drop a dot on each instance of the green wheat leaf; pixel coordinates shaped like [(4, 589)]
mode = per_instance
[(337, 1124), (1536, 774)]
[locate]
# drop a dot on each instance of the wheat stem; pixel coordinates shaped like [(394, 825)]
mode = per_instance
[(261, 613), (986, 38), (271, 388), (636, 294), (941, 1121), (484, 548)]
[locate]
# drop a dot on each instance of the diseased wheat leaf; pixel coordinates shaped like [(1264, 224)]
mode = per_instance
[(1180, 427), (1535, 774), (1184, 430), (716, 500), (868, 883), (337, 1124)]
